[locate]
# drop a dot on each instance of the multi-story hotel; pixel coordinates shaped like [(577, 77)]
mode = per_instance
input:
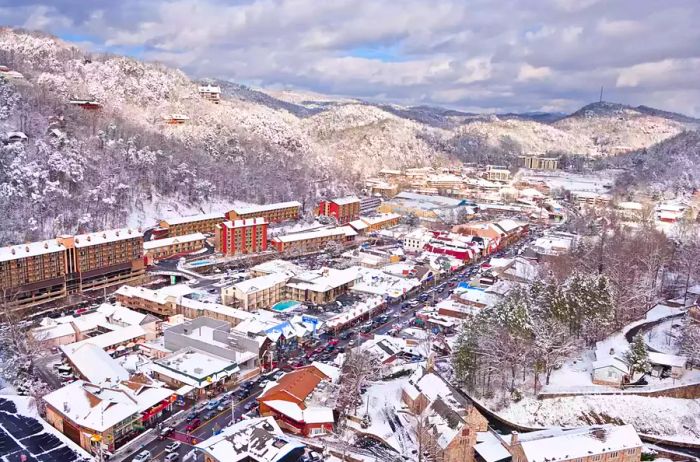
[(539, 163), (241, 236), (273, 213), (103, 259), (180, 226), (312, 240), (31, 274), (40, 272), (343, 209), (158, 249)]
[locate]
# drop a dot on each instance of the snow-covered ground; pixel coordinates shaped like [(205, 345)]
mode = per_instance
[(671, 418), (664, 337), (575, 374), (390, 422)]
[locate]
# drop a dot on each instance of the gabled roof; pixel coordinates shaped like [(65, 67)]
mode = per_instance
[(297, 384)]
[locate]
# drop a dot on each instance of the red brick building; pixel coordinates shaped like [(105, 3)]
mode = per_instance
[(241, 236), (343, 209)]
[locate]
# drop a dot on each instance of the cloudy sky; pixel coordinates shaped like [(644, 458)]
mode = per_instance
[(481, 55)]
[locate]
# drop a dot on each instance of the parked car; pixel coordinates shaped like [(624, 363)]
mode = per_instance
[(173, 447), (172, 457), (209, 415), (143, 456), (263, 383), (191, 416)]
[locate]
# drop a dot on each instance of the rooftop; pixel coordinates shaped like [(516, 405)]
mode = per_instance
[(194, 218), (31, 249), (158, 243), (560, 444), (265, 207), (326, 232), (103, 237)]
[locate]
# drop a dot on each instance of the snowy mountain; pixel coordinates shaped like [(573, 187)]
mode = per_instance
[(83, 169)]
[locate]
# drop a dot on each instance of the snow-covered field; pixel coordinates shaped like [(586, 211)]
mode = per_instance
[(671, 418), (664, 337)]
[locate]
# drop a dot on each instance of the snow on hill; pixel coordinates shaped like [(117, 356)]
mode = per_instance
[(107, 167)]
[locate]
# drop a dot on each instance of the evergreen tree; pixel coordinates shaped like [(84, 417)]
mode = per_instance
[(638, 356)]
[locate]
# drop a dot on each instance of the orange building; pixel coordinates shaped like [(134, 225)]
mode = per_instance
[(180, 226), (103, 259), (33, 273), (312, 240), (241, 236), (157, 249), (273, 213)]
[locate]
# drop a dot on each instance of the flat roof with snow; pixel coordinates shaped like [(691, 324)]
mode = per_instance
[(158, 243), (103, 237), (265, 207), (194, 218), (31, 249), (328, 232)]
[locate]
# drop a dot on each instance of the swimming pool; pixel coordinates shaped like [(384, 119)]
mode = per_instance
[(199, 263), (285, 305)]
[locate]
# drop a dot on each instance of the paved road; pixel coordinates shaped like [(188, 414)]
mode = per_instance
[(205, 430)]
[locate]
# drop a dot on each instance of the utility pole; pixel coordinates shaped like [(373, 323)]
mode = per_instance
[(601, 94)]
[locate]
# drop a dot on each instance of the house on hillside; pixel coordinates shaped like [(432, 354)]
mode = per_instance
[(176, 119), (611, 371), (16, 137), (210, 92), (86, 103), (666, 365)]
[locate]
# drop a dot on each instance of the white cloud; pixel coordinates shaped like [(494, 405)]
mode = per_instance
[(512, 54), (528, 72)]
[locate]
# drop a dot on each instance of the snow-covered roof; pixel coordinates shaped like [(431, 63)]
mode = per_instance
[(259, 439), (31, 249), (561, 444), (16, 135), (664, 359), (509, 225), (324, 279), (244, 223), (102, 407), (379, 218), (277, 266), (490, 448), (348, 231), (178, 117), (479, 297), (629, 205), (103, 237), (359, 225), (345, 200), (248, 209), (193, 367), (109, 339), (612, 361), (205, 307), (95, 365), (262, 282), (436, 200), (333, 373), (209, 89), (158, 243), (295, 412), (326, 232), (194, 218)]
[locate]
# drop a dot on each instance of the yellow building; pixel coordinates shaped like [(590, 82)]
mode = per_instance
[(540, 163)]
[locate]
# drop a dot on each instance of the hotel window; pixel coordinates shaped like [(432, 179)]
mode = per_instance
[(613, 454), (596, 457)]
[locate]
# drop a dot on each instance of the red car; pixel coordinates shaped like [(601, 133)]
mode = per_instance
[(192, 425), (333, 341)]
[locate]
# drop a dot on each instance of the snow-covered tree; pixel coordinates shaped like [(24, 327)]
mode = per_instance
[(638, 356)]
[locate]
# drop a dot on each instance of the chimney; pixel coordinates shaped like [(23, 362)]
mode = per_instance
[(46, 245), (514, 440), (13, 250), (26, 248)]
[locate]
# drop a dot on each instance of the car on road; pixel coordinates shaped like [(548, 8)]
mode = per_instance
[(172, 457), (192, 425), (173, 447), (143, 456), (165, 432), (263, 383), (191, 416), (209, 415)]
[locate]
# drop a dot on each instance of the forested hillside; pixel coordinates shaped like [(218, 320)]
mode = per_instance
[(81, 169)]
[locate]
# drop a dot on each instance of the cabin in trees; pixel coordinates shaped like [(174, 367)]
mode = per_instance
[(90, 104), (176, 119), (210, 93)]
